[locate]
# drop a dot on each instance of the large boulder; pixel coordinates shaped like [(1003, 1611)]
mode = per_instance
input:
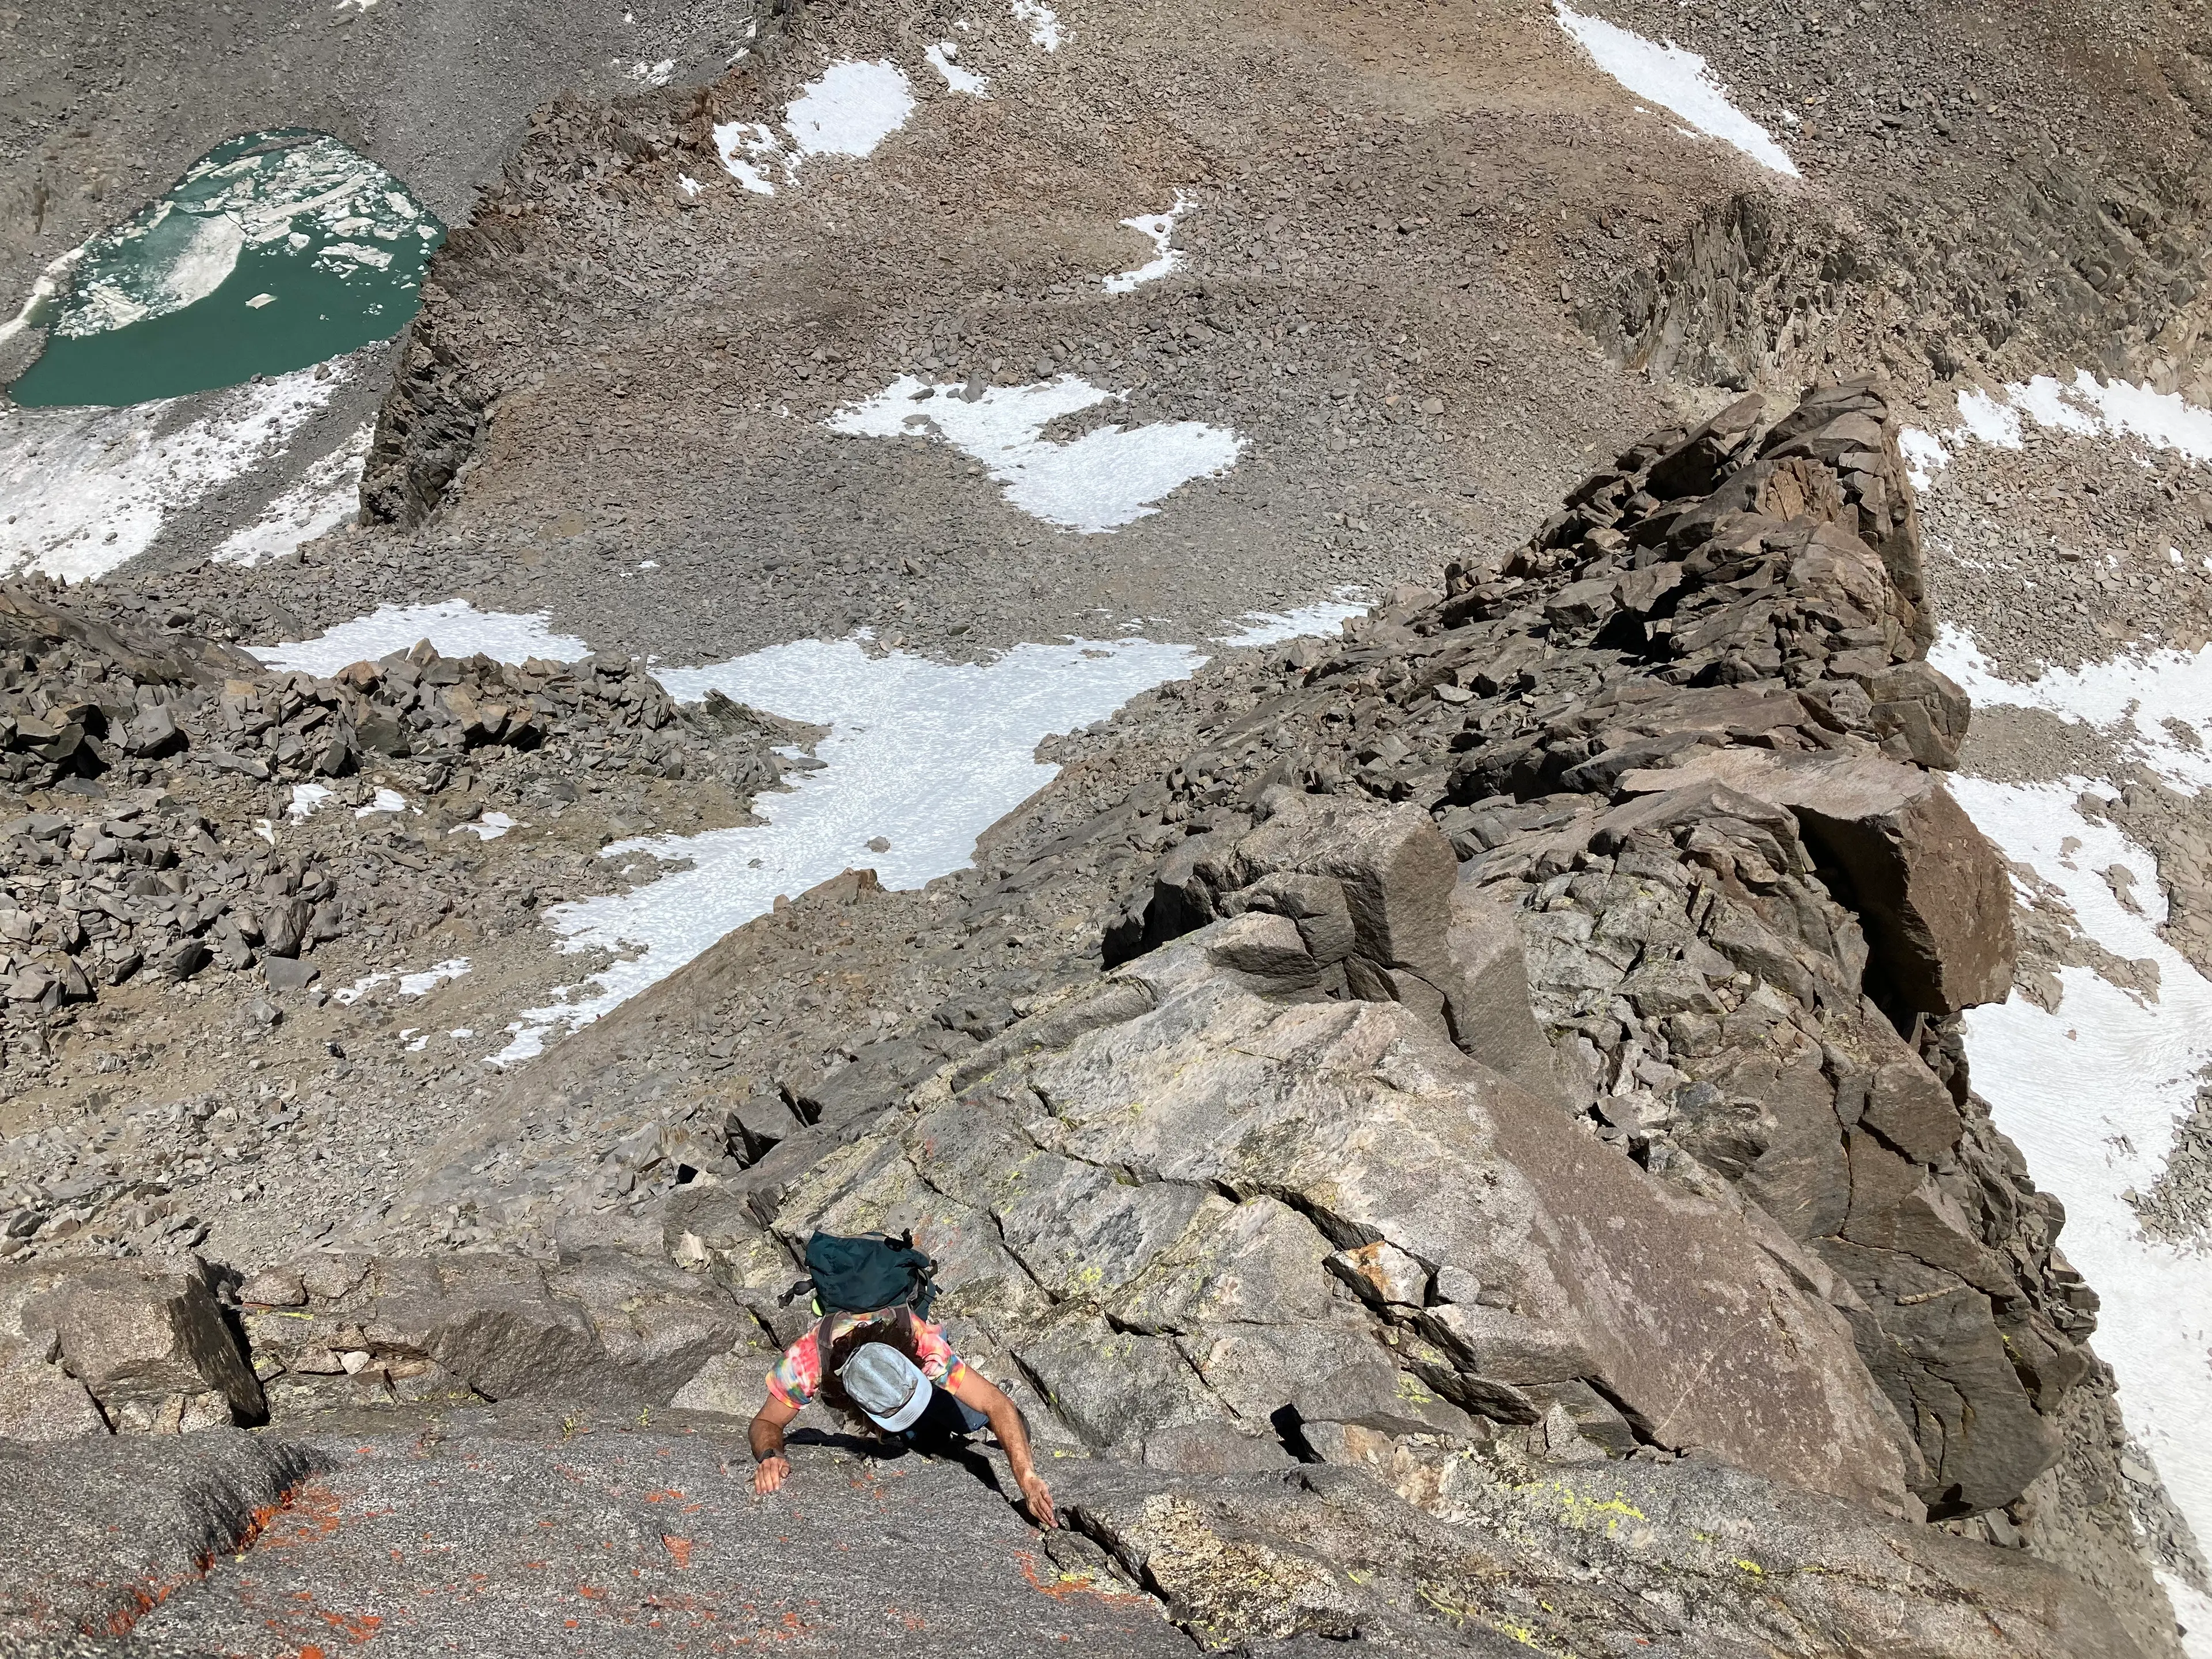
[(1244, 1187), (1551, 1263), (1931, 892), (127, 1346), (604, 1322)]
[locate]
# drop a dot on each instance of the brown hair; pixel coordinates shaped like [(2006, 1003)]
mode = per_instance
[(892, 1327)]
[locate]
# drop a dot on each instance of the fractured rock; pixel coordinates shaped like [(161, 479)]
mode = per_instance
[(1932, 893)]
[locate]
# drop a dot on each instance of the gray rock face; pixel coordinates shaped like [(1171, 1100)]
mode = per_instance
[(646, 1533), (1498, 1257), (1647, 924), (1692, 1558), (96, 1533), (87, 1347), (1516, 1183), (605, 1323)]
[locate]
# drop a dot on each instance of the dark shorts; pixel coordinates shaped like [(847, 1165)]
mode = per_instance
[(942, 1422)]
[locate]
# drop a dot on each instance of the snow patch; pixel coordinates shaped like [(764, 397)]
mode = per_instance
[(1261, 628), (408, 985), (489, 826), (323, 497), (456, 628), (1676, 79), (1042, 21), (2086, 407), (923, 755), (940, 57), (415, 985), (746, 148), (2128, 698), (45, 296), (1924, 453), (1108, 477), (385, 801), (306, 798), (2192, 1610), (2092, 1095), (1160, 227), (853, 108), (849, 111), (83, 489)]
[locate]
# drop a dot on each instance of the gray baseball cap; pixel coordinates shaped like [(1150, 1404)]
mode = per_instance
[(887, 1385)]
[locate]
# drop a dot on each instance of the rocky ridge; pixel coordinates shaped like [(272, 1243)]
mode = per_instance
[(1576, 955)]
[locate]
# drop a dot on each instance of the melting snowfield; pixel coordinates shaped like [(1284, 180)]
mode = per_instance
[(1675, 80), (926, 755), (1108, 477), (2128, 699), (2091, 1095), (853, 107), (325, 495), (82, 490), (456, 628), (1160, 228), (2084, 407)]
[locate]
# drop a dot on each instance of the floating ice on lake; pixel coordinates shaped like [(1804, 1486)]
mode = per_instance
[(338, 255), (941, 57), (154, 309), (325, 495), (83, 489), (2092, 1095), (850, 109), (1108, 477), (456, 628), (921, 755), (1677, 81), (1160, 227), (1043, 22)]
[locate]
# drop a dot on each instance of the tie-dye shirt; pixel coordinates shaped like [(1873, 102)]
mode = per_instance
[(797, 1377)]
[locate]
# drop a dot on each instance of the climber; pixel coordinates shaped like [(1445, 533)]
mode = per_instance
[(885, 1367)]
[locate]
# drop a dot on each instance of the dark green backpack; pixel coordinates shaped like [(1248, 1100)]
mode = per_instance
[(873, 1271)]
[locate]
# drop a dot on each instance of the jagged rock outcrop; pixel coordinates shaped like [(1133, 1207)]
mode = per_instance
[(1509, 1176), (1680, 741)]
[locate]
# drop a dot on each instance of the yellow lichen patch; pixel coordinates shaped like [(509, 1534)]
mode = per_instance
[(1583, 1510)]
